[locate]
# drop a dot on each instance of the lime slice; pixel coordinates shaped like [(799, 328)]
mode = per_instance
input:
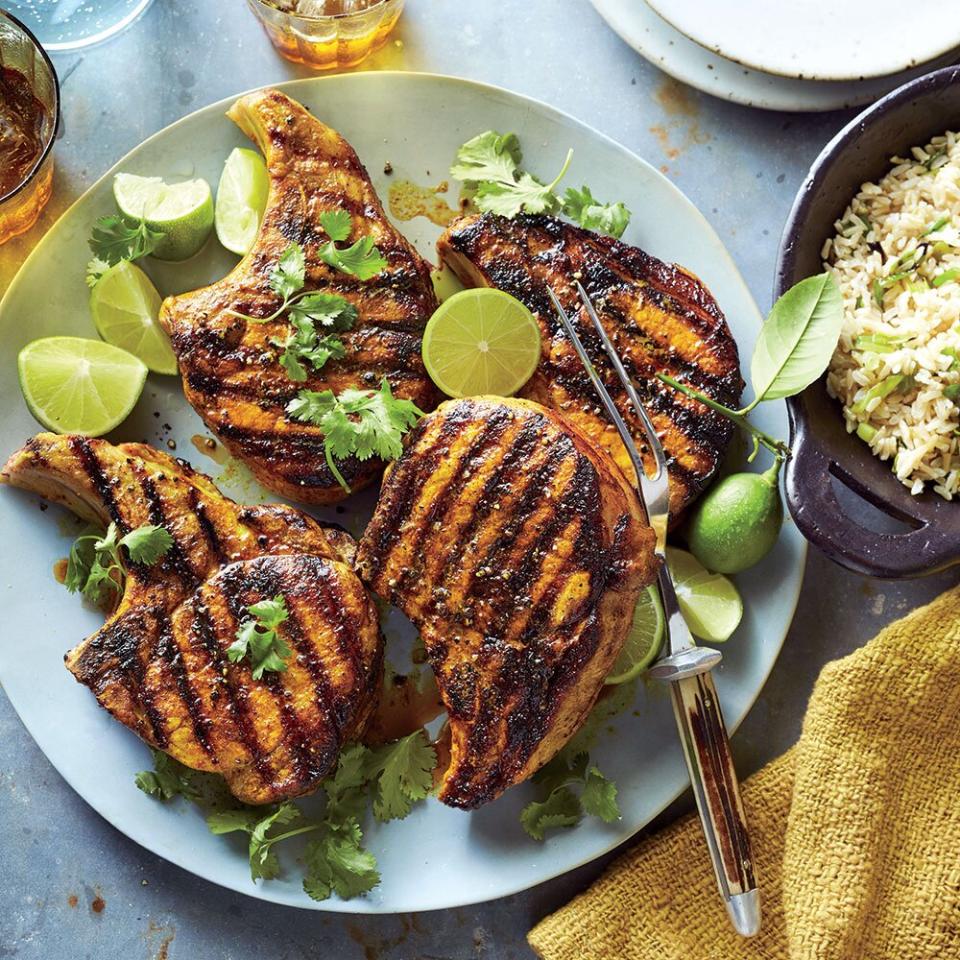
[(643, 641), (481, 342), (182, 212), (709, 602), (72, 385), (241, 200), (125, 306)]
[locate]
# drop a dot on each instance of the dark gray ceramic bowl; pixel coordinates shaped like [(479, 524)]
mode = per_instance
[(909, 116)]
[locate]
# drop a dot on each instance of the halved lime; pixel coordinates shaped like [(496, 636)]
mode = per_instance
[(643, 641), (182, 212), (72, 385), (241, 199), (709, 601), (125, 306), (481, 342)]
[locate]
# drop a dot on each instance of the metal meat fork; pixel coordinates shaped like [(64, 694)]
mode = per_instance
[(685, 666)]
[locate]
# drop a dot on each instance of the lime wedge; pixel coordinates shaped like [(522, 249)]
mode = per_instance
[(709, 602), (182, 212), (241, 199), (481, 342), (72, 385), (125, 306), (643, 641)]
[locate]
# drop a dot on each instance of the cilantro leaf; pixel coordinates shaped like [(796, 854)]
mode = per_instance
[(508, 200), (304, 343), (263, 860), (325, 310), (581, 206), (559, 805), (337, 863), (403, 773), (360, 423), (94, 565), (258, 638), (264, 864), (168, 778), (336, 224), (96, 268), (561, 808), (490, 163), (114, 238), (147, 544), (488, 156), (599, 796), (361, 259), (290, 273)]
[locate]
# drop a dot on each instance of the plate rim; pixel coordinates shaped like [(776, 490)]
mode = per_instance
[(821, 97), (263, 891), (873, 73)]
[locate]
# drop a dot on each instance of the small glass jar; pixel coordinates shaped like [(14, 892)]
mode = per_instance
[(22, 202), (326, 34)]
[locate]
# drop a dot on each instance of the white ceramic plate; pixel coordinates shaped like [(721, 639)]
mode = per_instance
[(818, 39), (438, 857), (665, 47)]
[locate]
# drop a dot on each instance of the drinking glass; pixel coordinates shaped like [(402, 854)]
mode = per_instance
[(325, 34), (19, 50), (68, 24)]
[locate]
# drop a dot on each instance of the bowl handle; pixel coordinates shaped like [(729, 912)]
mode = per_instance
[(928, 548)]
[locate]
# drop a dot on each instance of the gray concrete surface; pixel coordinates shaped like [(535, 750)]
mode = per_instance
[(59, 861)]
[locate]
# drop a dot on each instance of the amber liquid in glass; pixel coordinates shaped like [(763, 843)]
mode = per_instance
[(22, 118), (330, 33), (23, 126)]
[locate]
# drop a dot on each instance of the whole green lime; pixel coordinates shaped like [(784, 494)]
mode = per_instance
[(737, 522)]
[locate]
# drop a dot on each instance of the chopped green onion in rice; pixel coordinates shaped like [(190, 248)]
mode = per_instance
[(896, 370)]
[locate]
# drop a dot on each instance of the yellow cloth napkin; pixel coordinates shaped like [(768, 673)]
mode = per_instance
[(856, 829)]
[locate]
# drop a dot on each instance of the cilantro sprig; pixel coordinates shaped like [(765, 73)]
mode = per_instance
[(259, 640), (168, 779), (288, 277), (115, 238), (490, 163), (359, 423), (559, 805), (361, 259), (95, 565), (394, 777)]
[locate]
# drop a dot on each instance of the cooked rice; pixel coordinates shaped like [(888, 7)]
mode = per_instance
[(913, 339)]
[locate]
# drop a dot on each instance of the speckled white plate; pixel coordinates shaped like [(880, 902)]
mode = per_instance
[(438, 857), (818, 39), (667, 48)]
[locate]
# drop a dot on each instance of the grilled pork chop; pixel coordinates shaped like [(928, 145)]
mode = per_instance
[(660, 317), (519, 550), (159, 663), (230, 369)]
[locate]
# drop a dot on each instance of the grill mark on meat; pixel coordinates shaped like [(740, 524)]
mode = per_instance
[(522, 504), (126, 640), (85, 454), (175, 560), (444, 499), (517, 461), (171, 654), (306, 653), (412, 473), (257, 580), (199, 509), (239, 704)]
